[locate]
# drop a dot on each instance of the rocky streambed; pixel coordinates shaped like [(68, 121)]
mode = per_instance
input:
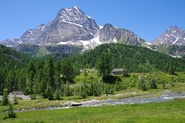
[(165, 96)]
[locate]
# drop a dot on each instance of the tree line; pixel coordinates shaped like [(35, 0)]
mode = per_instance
[(133, 58)]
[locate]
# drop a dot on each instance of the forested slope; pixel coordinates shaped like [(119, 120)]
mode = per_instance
[(11, 58), (10, 62), (133, 58)]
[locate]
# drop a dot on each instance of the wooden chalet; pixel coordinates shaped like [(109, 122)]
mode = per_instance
[(117, 71)]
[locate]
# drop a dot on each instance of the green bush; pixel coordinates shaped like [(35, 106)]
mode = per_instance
[(153, 84), (142, 84), (5, 98), (9, 113)]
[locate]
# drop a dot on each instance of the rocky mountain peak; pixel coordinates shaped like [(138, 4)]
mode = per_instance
[(75, 15), (172, 36), (110, 33), (108, 25), (174, 28)]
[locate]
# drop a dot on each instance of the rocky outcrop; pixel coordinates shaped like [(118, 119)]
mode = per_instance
[(172, 36), (110, 33)]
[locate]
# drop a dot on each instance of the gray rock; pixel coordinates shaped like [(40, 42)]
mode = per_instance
[(109, 33), (172, 36)]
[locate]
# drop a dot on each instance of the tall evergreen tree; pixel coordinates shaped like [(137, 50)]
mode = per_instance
[(30, 78), (10, 81), (104, 64), (49, 79), (67, 69), (22, 80), (2, 80), (51, 73), (57, 75), (5, 100)]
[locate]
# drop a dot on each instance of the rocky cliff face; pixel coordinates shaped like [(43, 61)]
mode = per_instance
[(72, 26), (110, 33), (172, 36)]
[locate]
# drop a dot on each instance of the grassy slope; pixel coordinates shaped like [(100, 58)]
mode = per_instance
[(165, 112)]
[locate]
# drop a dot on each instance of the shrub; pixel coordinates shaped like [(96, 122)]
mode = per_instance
[(142, 85), (153, 84), (5, 98), (15, 101), (9, 113)]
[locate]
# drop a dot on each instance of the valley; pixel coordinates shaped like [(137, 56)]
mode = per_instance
[(70, 61)]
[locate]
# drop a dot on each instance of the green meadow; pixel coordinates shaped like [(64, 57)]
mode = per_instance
[(163, 112)]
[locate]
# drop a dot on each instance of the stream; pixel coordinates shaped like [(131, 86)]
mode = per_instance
[(165, 96), (137, 100)]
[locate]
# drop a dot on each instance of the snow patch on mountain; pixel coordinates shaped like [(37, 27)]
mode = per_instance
[(100, 27), (19, 41), (148, 43), (77, 9), (114, 40), (72, 23), (89, 17), (177, 38)]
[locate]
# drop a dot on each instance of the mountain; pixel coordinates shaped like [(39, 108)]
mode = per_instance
[(172, 50), (172, 36), (171, 42), (110, 33), (73, 27)]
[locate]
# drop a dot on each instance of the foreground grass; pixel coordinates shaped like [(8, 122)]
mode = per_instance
[(164, 112)]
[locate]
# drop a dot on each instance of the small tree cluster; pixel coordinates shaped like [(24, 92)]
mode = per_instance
[(93, 88), (145, 85), (142, 84)]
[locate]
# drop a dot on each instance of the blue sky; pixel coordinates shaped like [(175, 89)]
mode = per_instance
[(146, 18)]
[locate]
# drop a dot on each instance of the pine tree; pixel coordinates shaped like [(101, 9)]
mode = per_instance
[(10, 80), (171, 70), (57, 94), (57, 78), (104, 64), (2, 80), (30, 78), (11, 113), (22, 80), (67, 69), (49, 93), (48, 82), (51, 74), (5, 100)]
